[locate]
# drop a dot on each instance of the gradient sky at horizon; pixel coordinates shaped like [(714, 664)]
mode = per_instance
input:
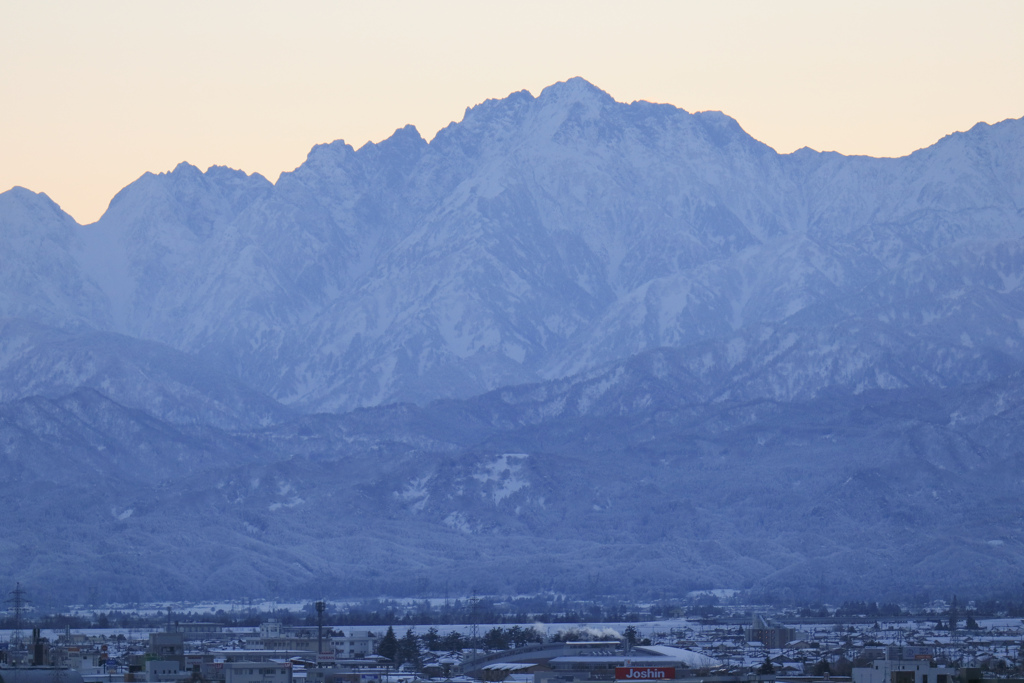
[(94, 94)]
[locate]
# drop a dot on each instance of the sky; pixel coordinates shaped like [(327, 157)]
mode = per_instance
[(94, 94)]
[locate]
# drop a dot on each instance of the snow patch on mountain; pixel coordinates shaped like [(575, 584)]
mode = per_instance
[(416, 493), (458, 522), (502, 476)]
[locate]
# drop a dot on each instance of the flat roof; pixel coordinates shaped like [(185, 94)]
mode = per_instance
[(509, 666), (258, 652), (604, 659)]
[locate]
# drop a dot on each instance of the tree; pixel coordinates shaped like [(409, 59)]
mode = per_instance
[(432, 639), (766, 667), (452, 642), (388, 646), (409, 649), (567, 635), (631, 634), (532, 635), (516, 636), (496, 639)]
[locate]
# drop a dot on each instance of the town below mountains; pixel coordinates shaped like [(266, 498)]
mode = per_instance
[(697, 638), (569, 344)]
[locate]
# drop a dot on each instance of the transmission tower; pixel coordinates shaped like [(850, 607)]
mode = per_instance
[(473, 601), (18, 602)]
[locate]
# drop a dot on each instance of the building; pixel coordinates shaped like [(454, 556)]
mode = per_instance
[(274, 636), (355, 645), (40, 674), (769, 633), (168, 647), (202, 630), (538, 653), (257, 672), (921, 670), (86, 660), (162, 671), (229, 656), (587, 661), (974, 675)]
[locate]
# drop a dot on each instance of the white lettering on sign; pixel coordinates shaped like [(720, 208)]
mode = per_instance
[(644, 673)]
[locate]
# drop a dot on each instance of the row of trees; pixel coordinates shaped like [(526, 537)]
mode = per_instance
[(408, 649), (499, 638), (867, 609), (546, 609)]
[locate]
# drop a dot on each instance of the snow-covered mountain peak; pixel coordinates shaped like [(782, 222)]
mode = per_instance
[(491, 108), (572, 91), (807, 153), (723, 131), (185, 169), (394, 156), (491, 121), (1005, 137), (39, 275), (539, 234), (521, 119), (226, 174), (19, 205), (406, 136), (326, 156), (185, 196)]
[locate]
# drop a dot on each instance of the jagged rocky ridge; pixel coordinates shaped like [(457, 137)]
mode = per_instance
[(641, 290)]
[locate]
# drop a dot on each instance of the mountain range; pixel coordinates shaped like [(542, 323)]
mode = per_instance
[(569, 344)]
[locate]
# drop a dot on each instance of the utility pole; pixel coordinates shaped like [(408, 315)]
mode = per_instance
[(319, 627)]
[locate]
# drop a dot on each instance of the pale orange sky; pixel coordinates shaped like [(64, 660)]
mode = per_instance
[(94, 94)]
